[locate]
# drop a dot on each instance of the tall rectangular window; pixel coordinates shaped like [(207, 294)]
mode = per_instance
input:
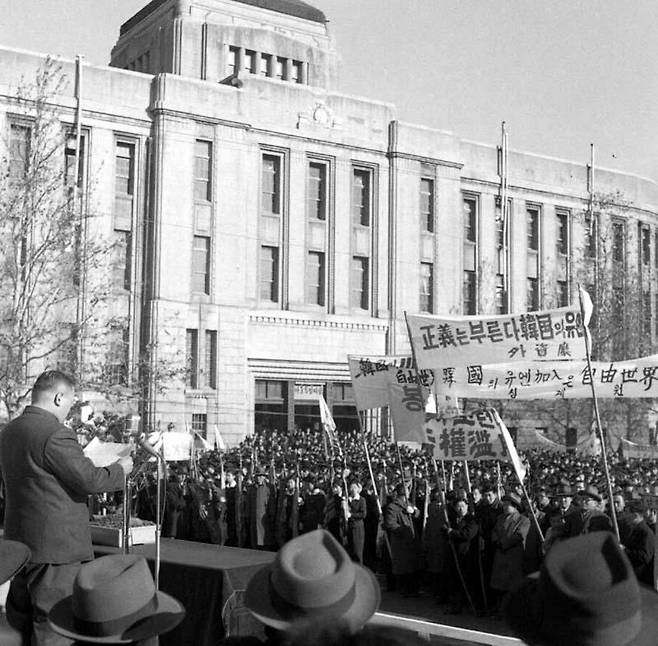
[(192, 358), (200, 424), (470, 219), (361, 196), (296, 71), (427, 287), (250, 62), (201, 265), (499, 296), (280, 65), (645, 244), (562, 293), (124, 180), (562, 238), (203, 171), (315, 278), (122, 265), (265, 63), (470, 206), (269, 274), (532, 223), (469, 295), (271, 185), (646, 316), (19, 153), (618, 236), (317, 191), (360, 283), (233, 57), (210, 363), (427, 205)]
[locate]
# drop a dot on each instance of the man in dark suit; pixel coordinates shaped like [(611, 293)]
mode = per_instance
[(48, 479)]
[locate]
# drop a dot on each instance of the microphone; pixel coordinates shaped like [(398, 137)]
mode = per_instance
[(133, 430)]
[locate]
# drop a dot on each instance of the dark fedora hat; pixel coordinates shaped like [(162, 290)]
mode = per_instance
[(13, 556), (513, 499), (563, 490), (586, 594), (114, 601), (590, 491), (313, 578)]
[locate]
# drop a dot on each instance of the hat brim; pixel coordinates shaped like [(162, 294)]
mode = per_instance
[(367, 598), (523, 613), (13, 556), (167, 615)]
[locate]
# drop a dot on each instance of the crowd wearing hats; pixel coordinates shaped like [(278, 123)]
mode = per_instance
[(422, 528)]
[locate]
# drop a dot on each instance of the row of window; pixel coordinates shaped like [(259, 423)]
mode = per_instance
[(268, 65), (141, 64)]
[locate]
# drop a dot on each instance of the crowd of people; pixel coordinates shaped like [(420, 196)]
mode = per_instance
[(465, 538)]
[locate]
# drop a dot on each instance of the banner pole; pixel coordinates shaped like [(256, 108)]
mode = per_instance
[(374, 485), (604, 452)]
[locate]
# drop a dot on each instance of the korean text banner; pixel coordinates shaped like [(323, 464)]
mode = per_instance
[(371, 376), (407, 406), (633, 450), (551, 380), (441, 341), (466, 437)]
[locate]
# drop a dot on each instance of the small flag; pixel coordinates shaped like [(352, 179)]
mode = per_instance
[(328, 423), (219, 440), (587, 309), (519, 467)]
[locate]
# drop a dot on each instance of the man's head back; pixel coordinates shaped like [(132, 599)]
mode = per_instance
[(54, 391)]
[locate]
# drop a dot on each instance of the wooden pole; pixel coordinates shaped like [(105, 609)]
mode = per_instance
[(604, 453)]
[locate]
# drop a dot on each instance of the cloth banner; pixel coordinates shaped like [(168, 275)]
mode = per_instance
[(371, 376), (549, 444), (632, 379), (634, 450), (407, 405), (219, 440), (328, 424), (477, 436), (176, 446), (201, 444), (519, 467), (443, 341)]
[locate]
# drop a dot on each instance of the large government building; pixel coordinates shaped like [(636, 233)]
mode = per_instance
[(269, 225)]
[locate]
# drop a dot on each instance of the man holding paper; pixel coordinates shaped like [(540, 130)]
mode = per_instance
[(47, 479)]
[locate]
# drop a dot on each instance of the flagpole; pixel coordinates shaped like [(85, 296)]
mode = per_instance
[(374, 485), (597, 416)]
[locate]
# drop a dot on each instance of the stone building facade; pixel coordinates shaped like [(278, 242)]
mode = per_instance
[(271, 225)]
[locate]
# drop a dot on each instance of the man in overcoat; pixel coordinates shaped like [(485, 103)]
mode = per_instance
[(260, 513), (48, 478), (405, 547), (508, 538)]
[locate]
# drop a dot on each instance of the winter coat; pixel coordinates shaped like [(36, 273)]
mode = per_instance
[(260, 516), (508, 538), (640, 551), (435, 542), (404, 543)]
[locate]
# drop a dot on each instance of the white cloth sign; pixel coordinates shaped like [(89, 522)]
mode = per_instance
[(551, 379), (444, 341), (634, 450), (478, 436)]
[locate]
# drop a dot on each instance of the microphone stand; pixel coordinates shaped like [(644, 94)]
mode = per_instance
[(127, 494), (158, 516)]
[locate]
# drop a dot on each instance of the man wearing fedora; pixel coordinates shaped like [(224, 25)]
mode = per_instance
[(114, 601), (313, 580), (48, 478), (508, 538), (639, 542), (585, 594), (587, 517)]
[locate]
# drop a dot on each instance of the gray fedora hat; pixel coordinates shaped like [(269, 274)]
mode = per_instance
[(114, 601), (313, 578)]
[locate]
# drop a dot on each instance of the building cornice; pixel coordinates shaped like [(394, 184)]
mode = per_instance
[(394, 154)]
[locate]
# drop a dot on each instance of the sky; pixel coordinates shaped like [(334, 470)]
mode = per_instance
[(561, 73)]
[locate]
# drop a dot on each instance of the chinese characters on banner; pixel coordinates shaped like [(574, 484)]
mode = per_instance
[(372, 375), (407, 406), (441, 341), (550, 380), (478, 436), (633, 450)]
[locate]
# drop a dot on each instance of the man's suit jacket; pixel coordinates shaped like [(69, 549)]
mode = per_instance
[(47, 479)]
